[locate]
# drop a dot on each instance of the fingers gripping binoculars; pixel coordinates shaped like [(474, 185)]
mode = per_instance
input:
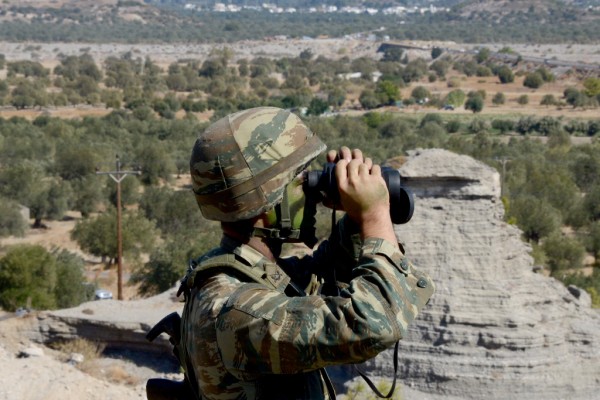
[(324, 182)]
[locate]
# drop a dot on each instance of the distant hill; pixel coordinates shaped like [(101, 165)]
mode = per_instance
[(135, 21)]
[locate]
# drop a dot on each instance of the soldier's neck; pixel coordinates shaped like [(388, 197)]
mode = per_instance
[(259, 244)]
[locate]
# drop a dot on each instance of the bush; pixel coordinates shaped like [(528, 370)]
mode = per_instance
[(536, 217), (474, 103), (548, 100), (533, 80), (523, 99), (499, 98), (33, 277), (478, 126), (456, 98), (506, 75), (563, 253), (453, 126), (503, 125), (368, 100), (11, 221), (432, 118), (526, 125)]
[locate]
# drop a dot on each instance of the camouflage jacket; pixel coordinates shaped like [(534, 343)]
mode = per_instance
[(252, 329)]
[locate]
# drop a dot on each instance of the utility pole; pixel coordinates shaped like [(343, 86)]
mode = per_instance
[(118, 176)]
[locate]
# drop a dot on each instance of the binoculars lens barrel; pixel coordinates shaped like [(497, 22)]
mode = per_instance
[(323, 182)]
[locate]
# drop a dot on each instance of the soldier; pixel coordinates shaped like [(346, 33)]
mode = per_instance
[(258, 326)]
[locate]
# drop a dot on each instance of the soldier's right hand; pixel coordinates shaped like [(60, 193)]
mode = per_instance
[(363, 193)]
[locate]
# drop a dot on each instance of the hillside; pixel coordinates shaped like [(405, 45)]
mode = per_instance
[(134, 21)]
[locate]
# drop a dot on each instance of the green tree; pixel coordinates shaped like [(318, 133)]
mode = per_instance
[(168, 263), (71, 289), (456, 97), (474, 103), (498, 99), (50, 201), (317, 106), (482, 55), (592, 202), (27, 94), (173, 211), (548, 100), (563, 253), (336, 96), (27, 278), (592, 86), (592, 240), (523, 99), (98, 236), (88, 194), (368, 100), (420, 93), (533, 80), (11, 220), (32, 276), (436, 52), (505, 75), (387, 92), (74, 162), (536, 217)]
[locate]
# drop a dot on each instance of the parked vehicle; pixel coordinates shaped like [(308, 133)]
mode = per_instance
[(102, 294)]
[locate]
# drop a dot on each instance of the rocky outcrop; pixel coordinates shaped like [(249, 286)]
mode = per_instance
[(494, 329), (117, 324)]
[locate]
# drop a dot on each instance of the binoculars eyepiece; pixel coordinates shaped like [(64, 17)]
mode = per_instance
[(324, 182)]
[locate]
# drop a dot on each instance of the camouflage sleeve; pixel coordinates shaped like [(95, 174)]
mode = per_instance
[(261, 331)]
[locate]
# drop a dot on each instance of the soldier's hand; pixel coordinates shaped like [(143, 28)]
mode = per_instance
[(363, 193)]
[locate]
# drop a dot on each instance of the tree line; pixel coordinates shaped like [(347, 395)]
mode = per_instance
[(317, 83), (171, 25)]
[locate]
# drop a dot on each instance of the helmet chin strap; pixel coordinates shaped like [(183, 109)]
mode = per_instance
[(283, 227)]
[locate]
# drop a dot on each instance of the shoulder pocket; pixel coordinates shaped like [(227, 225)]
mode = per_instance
[(257, 301)]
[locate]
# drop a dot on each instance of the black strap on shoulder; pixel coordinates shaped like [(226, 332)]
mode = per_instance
[(372, 385)]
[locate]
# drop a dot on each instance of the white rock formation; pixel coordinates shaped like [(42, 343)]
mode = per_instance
[(494, 329)]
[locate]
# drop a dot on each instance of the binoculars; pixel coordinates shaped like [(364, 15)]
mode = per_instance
[(324, 182)]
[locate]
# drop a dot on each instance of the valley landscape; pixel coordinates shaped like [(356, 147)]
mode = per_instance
[(518, 283)]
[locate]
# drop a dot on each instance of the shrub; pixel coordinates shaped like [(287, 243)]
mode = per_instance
[(563, 253), (456, 98), (523, 99), (474, 103), (548, 100), (11, 221), (499, 98), (32, 276), (478, 126), (503, 125), (533, 80), (506, 75), (453, 126)]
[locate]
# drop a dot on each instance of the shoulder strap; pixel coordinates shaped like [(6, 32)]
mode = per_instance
[(264, 273)]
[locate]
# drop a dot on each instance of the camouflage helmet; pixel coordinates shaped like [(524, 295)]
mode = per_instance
[(241, 164)]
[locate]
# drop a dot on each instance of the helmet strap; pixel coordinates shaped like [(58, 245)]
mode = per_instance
[(283, 228)]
